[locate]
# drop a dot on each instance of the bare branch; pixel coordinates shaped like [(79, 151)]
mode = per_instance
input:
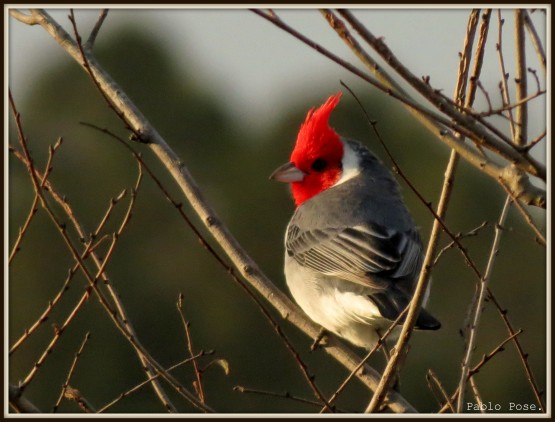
[(523, 356), (379, 343), (486, 95), (468, 125), (432, 377), (535, 39), (521, 118), (477, 306), (286, 395), (71, 371), (34, 209), (527, 217), (153, 378), (19, 403), (23, 18), (505, 96), (465, 59), (538, 139), (511, 106), (485, 359), (474, 79), (94, 33), (491, 354), (198, 375), (476, 394), (52, 303), (473, 232)]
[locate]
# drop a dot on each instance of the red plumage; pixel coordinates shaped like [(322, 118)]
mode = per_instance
[(317, 141)]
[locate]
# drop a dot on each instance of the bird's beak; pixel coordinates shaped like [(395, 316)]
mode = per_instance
[(288, 173)]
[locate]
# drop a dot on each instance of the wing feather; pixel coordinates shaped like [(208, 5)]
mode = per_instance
[(362, 254)]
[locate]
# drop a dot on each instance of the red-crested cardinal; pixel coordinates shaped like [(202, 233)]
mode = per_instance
[(352, 251)]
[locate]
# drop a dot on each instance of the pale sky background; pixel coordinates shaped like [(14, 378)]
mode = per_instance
[(256, 68)]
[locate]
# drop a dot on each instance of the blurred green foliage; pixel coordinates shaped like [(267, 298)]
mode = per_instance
[(158, 256)]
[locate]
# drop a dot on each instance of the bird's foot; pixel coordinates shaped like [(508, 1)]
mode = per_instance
[(320, 340)]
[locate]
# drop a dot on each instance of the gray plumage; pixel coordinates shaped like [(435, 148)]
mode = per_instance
[(353, 253)]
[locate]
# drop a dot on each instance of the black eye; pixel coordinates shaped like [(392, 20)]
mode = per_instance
[(319, 164)]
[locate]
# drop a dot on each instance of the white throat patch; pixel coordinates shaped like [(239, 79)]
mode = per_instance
[(350, 163)]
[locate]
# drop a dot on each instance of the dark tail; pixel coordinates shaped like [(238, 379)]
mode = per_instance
[(391, 303)]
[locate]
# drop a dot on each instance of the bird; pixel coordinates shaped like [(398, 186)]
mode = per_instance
[(353, 253)]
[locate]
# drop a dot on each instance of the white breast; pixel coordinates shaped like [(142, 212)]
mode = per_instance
[(339, 306)]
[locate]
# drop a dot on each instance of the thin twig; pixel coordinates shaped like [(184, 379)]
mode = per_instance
[(71, 371), (94, 32), (151, 379), (32, 212), (522, 355), (478, 304), (540, 237), (466, 125), (90, 245), (521, 78), (432, 377), (198, 385), (535, 39), (286, 395), (471, 233), (56, 300), (485, 359), (536, 79), (486, 95), (380, 342), (505, 96), (476, 394), (534, 142), (506, 107)]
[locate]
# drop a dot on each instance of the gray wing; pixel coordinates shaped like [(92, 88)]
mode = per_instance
[(365, 254)]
